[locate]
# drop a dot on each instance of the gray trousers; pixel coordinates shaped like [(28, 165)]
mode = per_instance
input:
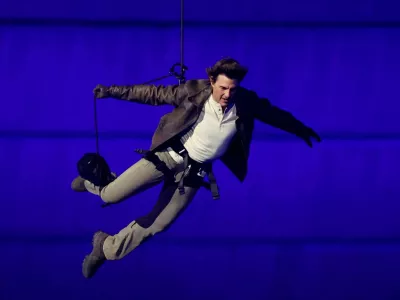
[(138, 178)]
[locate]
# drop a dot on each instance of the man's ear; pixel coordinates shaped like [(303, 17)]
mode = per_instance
[(212, 80)]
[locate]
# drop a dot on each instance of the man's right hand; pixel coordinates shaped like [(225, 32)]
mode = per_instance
[(101, 91)]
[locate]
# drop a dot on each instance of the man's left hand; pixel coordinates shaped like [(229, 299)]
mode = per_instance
[(307, 135)]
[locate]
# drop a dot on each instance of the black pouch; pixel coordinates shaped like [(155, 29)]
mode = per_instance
[(94, 168)]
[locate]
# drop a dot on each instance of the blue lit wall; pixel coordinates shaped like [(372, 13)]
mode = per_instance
[(317, 223)]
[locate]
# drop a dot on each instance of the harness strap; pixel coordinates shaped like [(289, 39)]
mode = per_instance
[(190, 167), (191, 170), (213, 185), (185, 173)]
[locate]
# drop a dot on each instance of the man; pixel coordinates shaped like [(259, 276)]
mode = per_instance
[(212, 119)]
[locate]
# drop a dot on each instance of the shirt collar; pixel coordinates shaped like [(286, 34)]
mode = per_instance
[(216, 105)]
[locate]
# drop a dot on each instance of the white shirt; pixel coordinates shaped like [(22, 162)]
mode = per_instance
[(210, 136)]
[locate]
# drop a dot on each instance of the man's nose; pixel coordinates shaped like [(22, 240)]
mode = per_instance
[(227, 93)]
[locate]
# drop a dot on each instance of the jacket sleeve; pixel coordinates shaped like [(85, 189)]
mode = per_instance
[(149, 94), (277, 117)]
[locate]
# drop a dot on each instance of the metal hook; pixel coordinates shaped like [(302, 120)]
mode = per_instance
[(180, 75)]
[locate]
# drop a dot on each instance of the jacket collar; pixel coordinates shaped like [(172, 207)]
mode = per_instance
[(198, 91)]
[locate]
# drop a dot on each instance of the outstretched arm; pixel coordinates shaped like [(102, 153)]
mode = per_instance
[(279, 118), (143, 94)]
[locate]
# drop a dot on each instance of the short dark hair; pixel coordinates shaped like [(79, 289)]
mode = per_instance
[(229, 67)]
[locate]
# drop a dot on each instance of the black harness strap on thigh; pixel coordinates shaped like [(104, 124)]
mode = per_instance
[(185, 173), (192, 172), (213, 184), (191, 176)]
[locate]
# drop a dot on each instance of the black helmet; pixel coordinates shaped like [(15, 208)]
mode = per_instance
[(94, 168)]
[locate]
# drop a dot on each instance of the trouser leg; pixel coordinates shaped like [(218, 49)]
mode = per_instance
[(169, 205), (139, 177)]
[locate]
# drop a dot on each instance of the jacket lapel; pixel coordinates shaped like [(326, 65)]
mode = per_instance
[(198, 92)]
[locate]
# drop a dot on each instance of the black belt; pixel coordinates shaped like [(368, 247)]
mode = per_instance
[(192, 169)]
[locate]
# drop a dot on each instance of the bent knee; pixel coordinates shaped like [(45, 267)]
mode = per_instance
[(109, 197)]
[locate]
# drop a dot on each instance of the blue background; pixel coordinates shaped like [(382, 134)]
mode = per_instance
[(317, 223)]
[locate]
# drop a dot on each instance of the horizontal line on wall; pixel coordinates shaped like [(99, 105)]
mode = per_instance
[(198, 241), (195, 24), (142, 135)]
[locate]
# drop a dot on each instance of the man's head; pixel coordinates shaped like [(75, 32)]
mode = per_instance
[(225, 77)]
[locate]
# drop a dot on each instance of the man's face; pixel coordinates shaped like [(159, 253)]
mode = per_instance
[(224, 90)]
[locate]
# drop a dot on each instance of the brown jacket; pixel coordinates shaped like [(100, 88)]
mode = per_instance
[(188, 100)]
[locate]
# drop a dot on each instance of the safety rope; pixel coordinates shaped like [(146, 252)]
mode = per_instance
[(180, 76)]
